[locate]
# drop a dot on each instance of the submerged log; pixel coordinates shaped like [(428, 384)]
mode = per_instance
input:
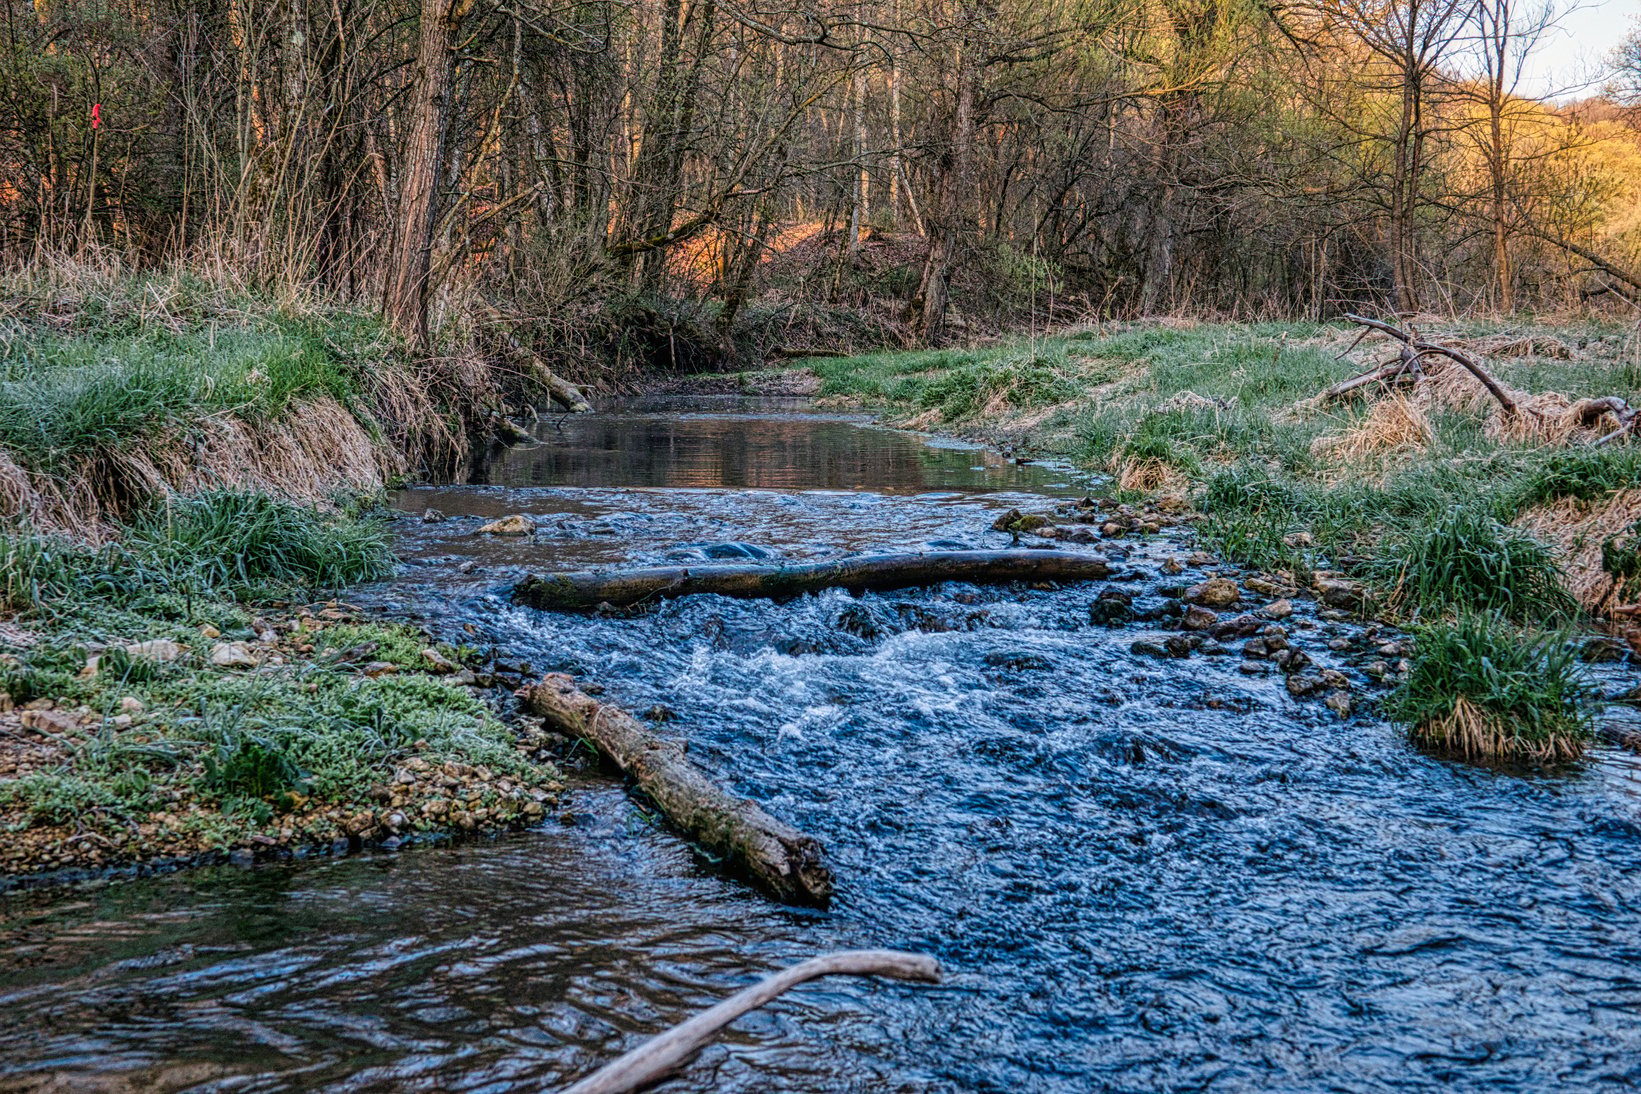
[(775, 856), (585, 589), (661, 1054)]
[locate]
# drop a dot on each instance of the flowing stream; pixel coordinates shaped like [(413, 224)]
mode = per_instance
[(1140, 874)]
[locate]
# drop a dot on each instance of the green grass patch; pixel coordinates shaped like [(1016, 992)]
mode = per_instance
[(1482, 690), (1466, 561)]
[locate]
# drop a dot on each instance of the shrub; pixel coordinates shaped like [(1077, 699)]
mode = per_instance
[(1480, 690), (1467, 561)]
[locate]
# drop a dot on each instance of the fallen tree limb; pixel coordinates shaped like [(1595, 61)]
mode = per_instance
[(777, 857), (664, 1052), (564, 393), (1425, 348), (585, 589)]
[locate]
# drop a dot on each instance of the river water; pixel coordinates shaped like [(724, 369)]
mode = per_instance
[(1139, 874)]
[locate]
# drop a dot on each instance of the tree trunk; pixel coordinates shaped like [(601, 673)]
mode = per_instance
[(927, 311), (408, 287)]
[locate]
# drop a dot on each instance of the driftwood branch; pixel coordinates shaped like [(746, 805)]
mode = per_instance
[(586, 589), (661, 1054), (1424, 348), (775, 856)]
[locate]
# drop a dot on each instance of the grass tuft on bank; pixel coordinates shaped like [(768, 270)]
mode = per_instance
[(1482, 690)]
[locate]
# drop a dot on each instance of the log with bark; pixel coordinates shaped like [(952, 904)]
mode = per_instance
[(562, 392), (661, 1054), (748, 841), (582, 590)]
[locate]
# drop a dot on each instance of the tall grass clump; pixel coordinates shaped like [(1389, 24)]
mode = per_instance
[(1253, 519), (223, 543), (241, 542), (1466, 561), (1481, 690)]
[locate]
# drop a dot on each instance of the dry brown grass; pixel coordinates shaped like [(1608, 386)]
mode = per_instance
[(1469, 732), (1574, 530), (1394, 425), (315, 451), (1148, 474)]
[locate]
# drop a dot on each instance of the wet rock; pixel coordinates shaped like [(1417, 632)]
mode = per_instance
[(1303, 684), (1112, 529), (1254, 668), (1240, 626), (1018, 523), (1340, 645), (1111, 608), (157, 649), (1339, 703), (1181, 645), (515, 525), (1277, 609), (1217, 592), (1173, 566), (1168, 609), (1289, 659), (233, 655), (1211, 648), (1333, 678), (375, 669), (1199, 559), (734, 550), (1145, 647), (1071, 534), (1377, 669), (1266, 587), (437, 663), (1198, 618), (1337, 591), (432, 516)]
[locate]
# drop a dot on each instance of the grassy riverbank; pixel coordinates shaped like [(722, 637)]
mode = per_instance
[(1442, 507), (180, 467)]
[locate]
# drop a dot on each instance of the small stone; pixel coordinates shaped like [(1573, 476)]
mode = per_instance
[(1198, 618), (1218, 592), (432, 516), (1172, 566), (1336, 591), (1333, 678), (1299, 539), (1377, 669), (51, 721), (156, 649), (438, 663), (1277, 609), (233, 655), (1145, 647), (1017, 522), (1111, 608), (1265, 587), (208, 631), (1339, 703), (120, 721), (515, 525), (1181, 645), (131, 705), (1240, 626), (1301, 685), (1112, 528), (1339, 645), (379, 668)]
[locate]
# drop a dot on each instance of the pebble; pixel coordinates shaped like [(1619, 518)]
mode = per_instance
[(1198, 618), (1277, 609), (233, 655), (156, 649)]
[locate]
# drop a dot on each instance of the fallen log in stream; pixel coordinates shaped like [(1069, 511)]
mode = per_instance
[(775, 856), (587, 589)]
